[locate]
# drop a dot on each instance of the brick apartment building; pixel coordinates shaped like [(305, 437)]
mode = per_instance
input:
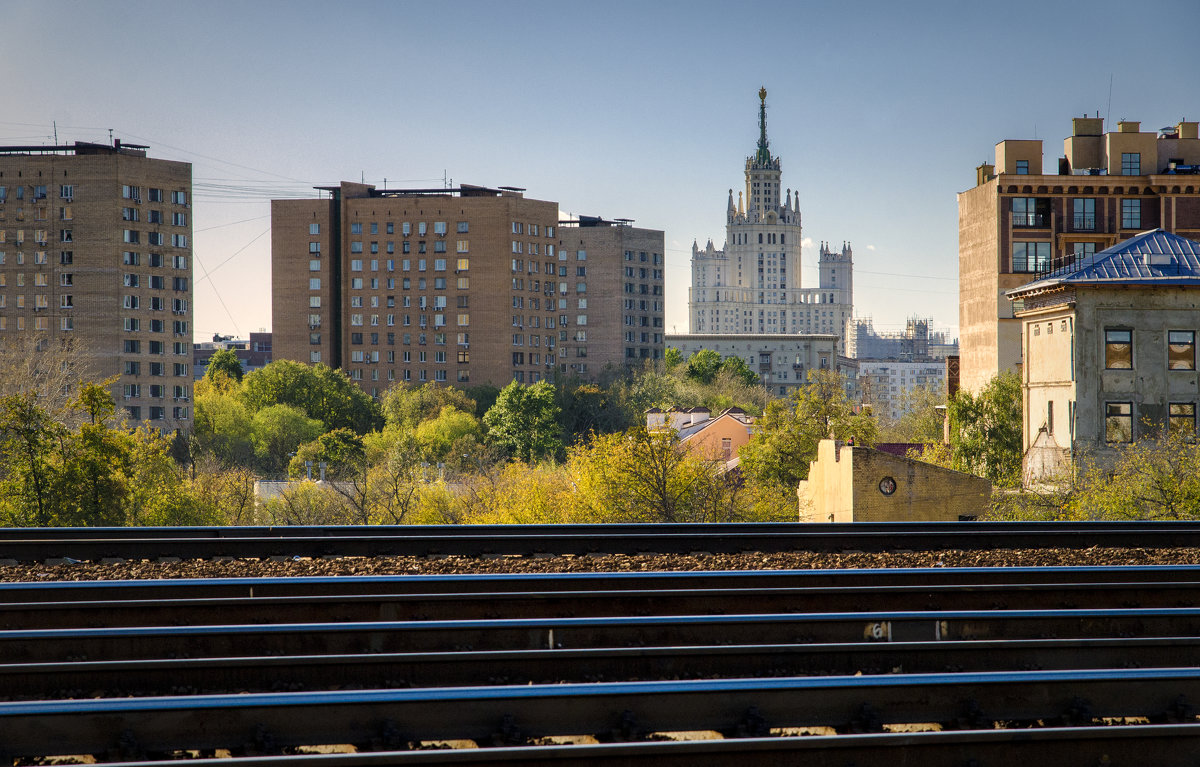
[(95, 253), (463, 286), (610, 275), (1019, 222)]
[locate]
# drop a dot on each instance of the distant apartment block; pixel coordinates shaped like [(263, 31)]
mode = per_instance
[(96, 252), (610, 274), (1020, 222), (884, 384), (463, 286), (253, 353)]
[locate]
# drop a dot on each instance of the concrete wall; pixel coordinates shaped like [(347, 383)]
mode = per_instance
[(844, 485)]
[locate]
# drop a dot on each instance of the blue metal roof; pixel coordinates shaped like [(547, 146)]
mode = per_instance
[(1156, 257)]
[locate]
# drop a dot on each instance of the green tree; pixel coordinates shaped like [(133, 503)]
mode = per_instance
[(319, 391), (790, 429), (438, 436), (277, 431), (704, 365), (407, 406), (224, 362), (222, 426), (739, 371), (342, 451), (29, 473), (524, 421), (672, 358), (985, 431)]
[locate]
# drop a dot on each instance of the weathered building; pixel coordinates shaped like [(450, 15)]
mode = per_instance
[(1109, 344), (848, 483)]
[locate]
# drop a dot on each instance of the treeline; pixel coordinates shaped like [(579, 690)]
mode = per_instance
[(570, 451)]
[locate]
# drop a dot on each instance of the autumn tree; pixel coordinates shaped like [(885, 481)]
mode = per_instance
[(789, 430), (649, 476)]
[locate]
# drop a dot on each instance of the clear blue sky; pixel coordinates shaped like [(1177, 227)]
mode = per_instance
[(880, 111)]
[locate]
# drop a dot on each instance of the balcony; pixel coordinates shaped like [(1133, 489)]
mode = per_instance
[(1084, 222), (1026, 220)]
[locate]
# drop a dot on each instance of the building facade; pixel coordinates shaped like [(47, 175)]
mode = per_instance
[(1109, 345), (1019, 221), (96, 255), (461, 286), (781, 361), (610, 274), (752, 284)]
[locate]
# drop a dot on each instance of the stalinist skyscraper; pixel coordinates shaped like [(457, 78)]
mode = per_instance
[(752, 284)]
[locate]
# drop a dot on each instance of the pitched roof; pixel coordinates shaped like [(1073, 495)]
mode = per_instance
[(1156, 257)]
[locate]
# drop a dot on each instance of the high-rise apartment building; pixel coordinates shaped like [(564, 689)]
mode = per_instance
[(752, 284), (96, 254), (1019, 222), (610, 276), (462, 286)]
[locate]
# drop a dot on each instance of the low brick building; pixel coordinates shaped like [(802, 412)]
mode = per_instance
[(848, 483)]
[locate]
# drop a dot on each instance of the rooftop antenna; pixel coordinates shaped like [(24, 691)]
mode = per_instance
[(110, 135), (56, 132), (445, 184)]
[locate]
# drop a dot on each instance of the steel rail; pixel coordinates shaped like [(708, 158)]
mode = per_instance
[(612, 529), (596, 602), (512, 714), (577, 633), (578, 540), (1170, 745), (183, 588), (177, 676)]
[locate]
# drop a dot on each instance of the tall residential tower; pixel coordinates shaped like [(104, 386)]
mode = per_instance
[(95, 256)]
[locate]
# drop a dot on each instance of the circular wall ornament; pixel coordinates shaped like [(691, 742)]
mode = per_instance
[(887, 485)]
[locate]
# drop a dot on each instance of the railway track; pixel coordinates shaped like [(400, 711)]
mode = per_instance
[(991, 662), (98, 544)]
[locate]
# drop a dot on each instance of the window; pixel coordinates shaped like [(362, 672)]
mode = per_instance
[(179, 240), (439, 227), (314, 228), (1084, 250), (1030, 257), (1118, 422), (1181, 350), (314, 283), (1181, 418), (1131, 214), (1022, 167), (154, 238), (1027, 212), (1085, 213), (1131, 164), (1118, 349), (179, 198), (179, 262), (179, 219), (314, 265)]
